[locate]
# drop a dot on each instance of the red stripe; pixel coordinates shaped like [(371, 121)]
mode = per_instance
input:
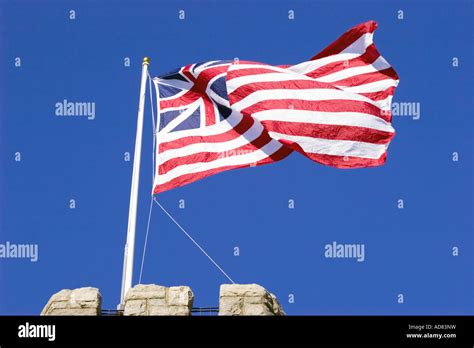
[(368, 57), (186, 71), (189, 178), (232, 74), (347, 39), (212, 71), (380, 95), (329, 131), (346, 162), (209, 110), (338, 161), (367, 78), (203, 157), (319, 105), (247, 89), (243, 126)]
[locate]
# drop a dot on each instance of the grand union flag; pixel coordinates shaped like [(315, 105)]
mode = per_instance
[(221, 115)]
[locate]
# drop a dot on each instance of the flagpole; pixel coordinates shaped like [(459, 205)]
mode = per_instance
[(127, 275)]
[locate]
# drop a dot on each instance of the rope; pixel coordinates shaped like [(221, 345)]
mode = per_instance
[(162, 208), (152, 179), (146, 240), (195, 243)]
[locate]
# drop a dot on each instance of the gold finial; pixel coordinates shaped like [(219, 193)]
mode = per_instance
[(146, 60)]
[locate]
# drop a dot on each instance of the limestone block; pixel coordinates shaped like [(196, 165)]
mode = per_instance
[(231, 305), (135, 307), (247, 299), (257, 309), (277, 308), (180, 296), (247, 290), (74, 312), (169, 310), (158, 300), (82, 301), (142, 291)]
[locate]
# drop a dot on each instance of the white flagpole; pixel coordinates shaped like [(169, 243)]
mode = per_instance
[(127, 274)]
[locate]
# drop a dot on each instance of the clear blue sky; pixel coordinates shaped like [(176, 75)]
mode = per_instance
[(407, 251)]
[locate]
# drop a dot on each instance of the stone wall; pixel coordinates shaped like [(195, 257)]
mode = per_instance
[(148, 300), (247, 299), (83, 301), (159, 300)]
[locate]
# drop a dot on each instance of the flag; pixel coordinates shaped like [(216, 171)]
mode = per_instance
[(334, 109)]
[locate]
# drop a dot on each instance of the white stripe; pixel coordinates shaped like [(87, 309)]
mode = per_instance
[(385, 104), (200, 68), (314, 94), (202, 114), (215, 66), (251, 134), (217, 98), (312, 65), (217, 118), (379, 64), (233, 84), (360, 45), (247, 158), (377, 86), (356, 49), (335, 147), (240, 66), (353, 119)]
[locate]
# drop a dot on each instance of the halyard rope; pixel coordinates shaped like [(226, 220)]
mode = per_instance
[(162, 208)]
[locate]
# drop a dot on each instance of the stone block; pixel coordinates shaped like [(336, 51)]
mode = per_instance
[(180, 296), (247, 290), (82, 301), (247, 299), (231, 305), (158, 300), (277, 308), (135, 307), (148, 291), (257, 309)]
